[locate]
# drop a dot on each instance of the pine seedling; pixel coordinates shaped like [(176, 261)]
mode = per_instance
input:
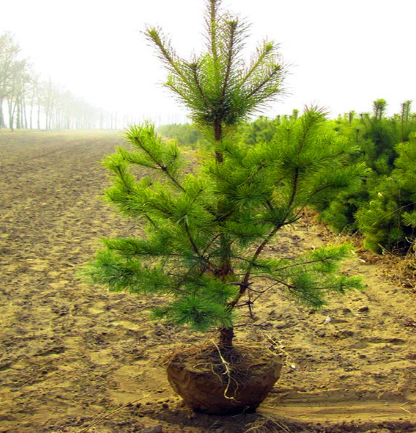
[(207, 225)]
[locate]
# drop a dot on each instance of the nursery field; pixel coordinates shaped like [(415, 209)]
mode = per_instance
[(76, 359)]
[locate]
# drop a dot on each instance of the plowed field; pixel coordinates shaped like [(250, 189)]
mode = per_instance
[(74, 358)]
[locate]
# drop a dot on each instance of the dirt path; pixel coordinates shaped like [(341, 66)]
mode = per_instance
[(76, 359)]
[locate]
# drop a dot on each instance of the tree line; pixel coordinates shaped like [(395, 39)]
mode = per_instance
[(382, 204), (28, 102)]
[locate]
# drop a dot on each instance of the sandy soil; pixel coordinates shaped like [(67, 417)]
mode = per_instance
[(74, 358)]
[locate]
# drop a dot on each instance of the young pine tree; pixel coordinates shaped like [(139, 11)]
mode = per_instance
[(207, 225), (388, 220)]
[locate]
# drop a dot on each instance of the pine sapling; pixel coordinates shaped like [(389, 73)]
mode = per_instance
[(207, 224)]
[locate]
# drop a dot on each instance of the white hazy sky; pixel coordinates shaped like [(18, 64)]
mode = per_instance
[(344, 54)]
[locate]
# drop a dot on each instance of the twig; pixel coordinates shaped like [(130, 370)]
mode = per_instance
[(97, 420), (263, 424), (408, 411), (281, 348)]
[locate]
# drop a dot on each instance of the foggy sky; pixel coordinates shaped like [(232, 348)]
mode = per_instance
[(342, 54)]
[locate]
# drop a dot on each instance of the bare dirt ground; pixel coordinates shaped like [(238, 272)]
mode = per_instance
[(74, 358)]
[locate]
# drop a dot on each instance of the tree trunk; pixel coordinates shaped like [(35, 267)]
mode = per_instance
[(18, 115), (12, 108), (226, 338), (38, 120), (2, 122)]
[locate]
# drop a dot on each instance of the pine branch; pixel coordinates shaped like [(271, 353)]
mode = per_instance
[(120, 174), (245, 282), (295, 186), (268, 49), (194, 68), (212, 21), (134, 138), (276, 69), (194, 247), (233, 27), (167, 172), (167, 54), (183, 95)]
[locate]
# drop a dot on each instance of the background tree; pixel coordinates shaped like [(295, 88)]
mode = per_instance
[(376, 207), (23, 95), (379, 108), (388, 218), (187, 134), (261, 129), (9, 51)]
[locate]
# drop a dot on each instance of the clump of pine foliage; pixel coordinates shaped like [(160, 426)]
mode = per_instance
[(388, 219), (383, 205), (206, 225)]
